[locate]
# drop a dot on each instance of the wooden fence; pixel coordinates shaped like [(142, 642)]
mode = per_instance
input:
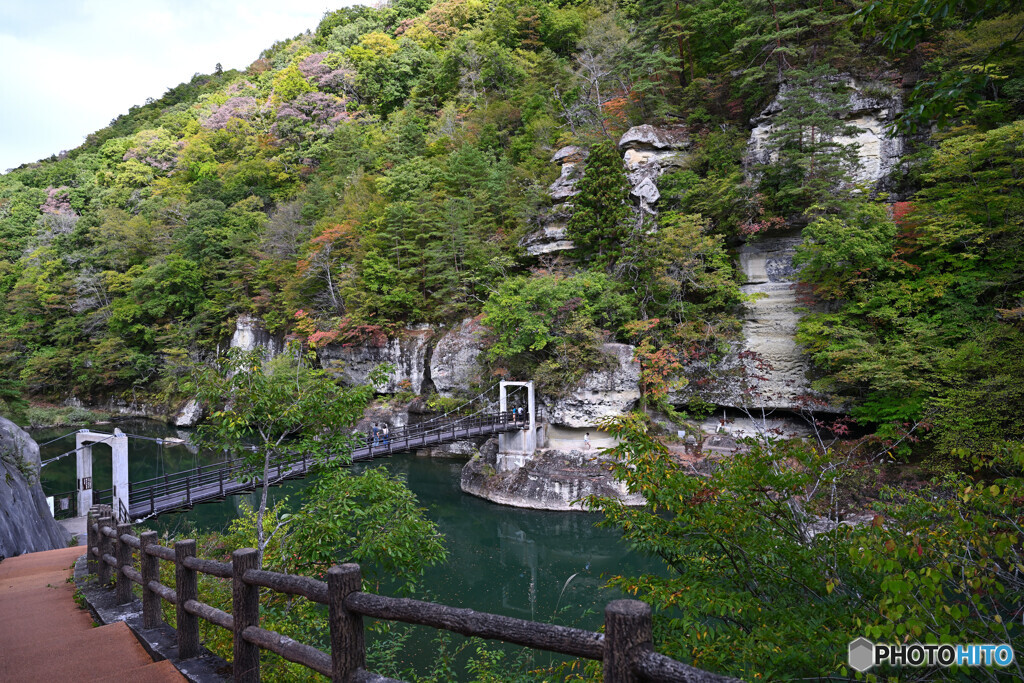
[(624, 648)]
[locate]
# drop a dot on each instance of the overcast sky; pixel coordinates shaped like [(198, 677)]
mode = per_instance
[(67, 67)]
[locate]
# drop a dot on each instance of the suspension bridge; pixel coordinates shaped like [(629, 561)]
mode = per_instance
[(181, 490)]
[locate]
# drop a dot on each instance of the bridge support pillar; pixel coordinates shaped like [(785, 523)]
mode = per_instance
[(83, 473), (516, 448), (118, 442)]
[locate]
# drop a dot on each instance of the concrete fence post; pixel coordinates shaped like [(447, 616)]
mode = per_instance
[(348, 646), (245, 606), (627, 631), (187, 588), (150, 567), (124, 559)]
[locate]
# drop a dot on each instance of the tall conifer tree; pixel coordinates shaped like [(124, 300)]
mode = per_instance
[(600, 212)]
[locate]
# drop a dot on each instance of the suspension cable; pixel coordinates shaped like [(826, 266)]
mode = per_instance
[(46, 462), (47, 443)]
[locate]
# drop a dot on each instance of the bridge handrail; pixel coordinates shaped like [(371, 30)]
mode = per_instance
[(625, 648), (176, 482)]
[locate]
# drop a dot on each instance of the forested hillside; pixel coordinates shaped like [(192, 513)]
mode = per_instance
[(383, 168)]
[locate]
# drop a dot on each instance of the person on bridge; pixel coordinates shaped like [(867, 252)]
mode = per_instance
[(376, 434), (386, 433)]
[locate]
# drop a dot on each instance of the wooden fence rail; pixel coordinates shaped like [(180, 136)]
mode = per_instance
[(625, 648)]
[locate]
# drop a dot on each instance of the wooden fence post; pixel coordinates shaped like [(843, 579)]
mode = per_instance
[(187, 587), (150, 567), (124, 559), (91, 539), (105, 546), (627, 630), (348, 647), (245, 606)]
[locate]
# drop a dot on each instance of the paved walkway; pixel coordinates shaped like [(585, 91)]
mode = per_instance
[(75, 527), (44, 636)]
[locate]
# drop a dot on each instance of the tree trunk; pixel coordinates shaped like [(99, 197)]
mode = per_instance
[(260, 532)]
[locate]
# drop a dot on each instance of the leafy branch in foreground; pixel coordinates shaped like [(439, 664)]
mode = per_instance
[(264, 411), (758, 586)]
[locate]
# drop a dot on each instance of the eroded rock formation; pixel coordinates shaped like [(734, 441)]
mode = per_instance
[(455, 363), (872, 107), (551, 480), (250, 335)]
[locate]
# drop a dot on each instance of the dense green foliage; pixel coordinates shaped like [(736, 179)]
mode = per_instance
[(757, 586), (260, 412), (397, 552), (383, 169)]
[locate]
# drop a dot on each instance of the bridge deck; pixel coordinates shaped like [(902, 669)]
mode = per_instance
[(217, 482)]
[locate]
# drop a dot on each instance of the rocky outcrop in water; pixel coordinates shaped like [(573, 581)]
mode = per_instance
[(189, 415), (26, 525), (407, 353), (604, 393), (551, 480)]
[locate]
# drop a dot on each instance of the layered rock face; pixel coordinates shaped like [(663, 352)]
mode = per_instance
[(551, 480), (769, 327), (601, 394), (551, 237), (769, 369), (408, 355), (26, 525), (872, 106), (648, 152)]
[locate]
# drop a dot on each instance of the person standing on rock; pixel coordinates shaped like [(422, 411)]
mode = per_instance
[(586, 441)]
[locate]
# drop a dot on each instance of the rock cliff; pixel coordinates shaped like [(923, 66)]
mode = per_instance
[(455, 362), (26, 524), (769, 369), (250, 335), (407, 353), (605, 393), (871, 108)]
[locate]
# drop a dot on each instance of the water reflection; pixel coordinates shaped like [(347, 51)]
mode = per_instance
[(547, 566)]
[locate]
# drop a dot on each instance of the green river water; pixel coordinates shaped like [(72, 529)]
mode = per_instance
[(544, 566)]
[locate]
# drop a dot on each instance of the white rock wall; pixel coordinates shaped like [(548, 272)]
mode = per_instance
[(601, 394), (250, 335), (407, 353), (455, 362)]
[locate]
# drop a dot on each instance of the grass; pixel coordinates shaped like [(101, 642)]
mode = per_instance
[(43, 415)]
